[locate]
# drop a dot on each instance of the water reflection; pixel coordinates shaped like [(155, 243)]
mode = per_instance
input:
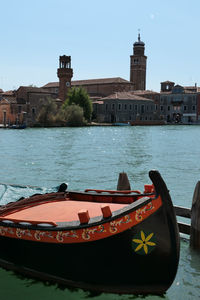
[(22, 286), (186, 285)]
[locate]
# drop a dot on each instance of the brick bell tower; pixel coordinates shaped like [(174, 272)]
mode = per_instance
[(65, 74), (138, 65)]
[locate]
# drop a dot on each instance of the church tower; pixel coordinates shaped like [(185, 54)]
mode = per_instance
[(138, 65), (65, 74)]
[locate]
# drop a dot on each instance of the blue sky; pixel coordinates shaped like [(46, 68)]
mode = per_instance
[(99, 36)]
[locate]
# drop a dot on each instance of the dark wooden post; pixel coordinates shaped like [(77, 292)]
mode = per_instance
[(195, 219), (123, 182)]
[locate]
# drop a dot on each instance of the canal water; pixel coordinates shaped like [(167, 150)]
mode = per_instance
[(92, 157)]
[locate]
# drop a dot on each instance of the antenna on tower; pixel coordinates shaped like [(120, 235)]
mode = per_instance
[(138, 35)]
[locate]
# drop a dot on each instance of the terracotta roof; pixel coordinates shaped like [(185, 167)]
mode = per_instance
[(1, 91), (51, 85), (90, 81), (100, 81), (165, 93), (10, 100), (8, 93), (146, 92), (125, 96), (98, 102), (190, 91), (32, 89), (192, 88), (4, 101)]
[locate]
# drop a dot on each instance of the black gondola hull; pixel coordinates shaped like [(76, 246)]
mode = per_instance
[(143, 259), (110, 264)]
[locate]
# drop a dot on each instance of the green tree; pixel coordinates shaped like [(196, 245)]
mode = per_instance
[(48, 112), (73, 115), (80, 97)]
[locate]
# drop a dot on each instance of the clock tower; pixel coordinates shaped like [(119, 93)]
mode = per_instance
[(138, 65), (65, 74)]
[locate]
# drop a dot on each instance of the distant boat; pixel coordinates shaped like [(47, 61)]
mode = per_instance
[(17, 126), (148, 122), (121, 124), (107, 241)]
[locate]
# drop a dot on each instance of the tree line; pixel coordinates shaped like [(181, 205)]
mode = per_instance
[(75, 111)]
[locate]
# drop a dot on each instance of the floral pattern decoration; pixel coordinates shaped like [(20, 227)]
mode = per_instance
[(144, 243)]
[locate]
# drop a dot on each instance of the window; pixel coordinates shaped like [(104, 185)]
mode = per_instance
[(142, 109), (185, 108), (168, 107), (113, 106), (125, 107), (193, 107), (136, 107), (33, 110), (4, 117), (161, 108), (106, 106), (19, 109), (119, 106), (130, 107), (177, 107)]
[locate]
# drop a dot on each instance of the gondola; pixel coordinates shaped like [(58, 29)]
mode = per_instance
[(17, 126), (119, 241)]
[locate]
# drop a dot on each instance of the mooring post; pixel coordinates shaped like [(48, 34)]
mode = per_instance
[(123, 182), (195, 219)]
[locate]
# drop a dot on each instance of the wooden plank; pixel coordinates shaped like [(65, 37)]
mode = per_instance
[(195, 219), (183, 211), (184, 228)]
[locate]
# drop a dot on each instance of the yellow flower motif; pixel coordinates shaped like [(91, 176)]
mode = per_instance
[(144, 242)]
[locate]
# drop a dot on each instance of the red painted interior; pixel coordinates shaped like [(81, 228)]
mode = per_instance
[(60, 211)]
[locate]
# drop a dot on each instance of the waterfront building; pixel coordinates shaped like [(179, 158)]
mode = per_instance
[(179, 104), (96, 88), (6, 114), (7, 100), (29, 101), (23, 105), (125, 107), (149, 94)]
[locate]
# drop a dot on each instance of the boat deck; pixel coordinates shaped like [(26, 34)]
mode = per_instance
[(59, 211)]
